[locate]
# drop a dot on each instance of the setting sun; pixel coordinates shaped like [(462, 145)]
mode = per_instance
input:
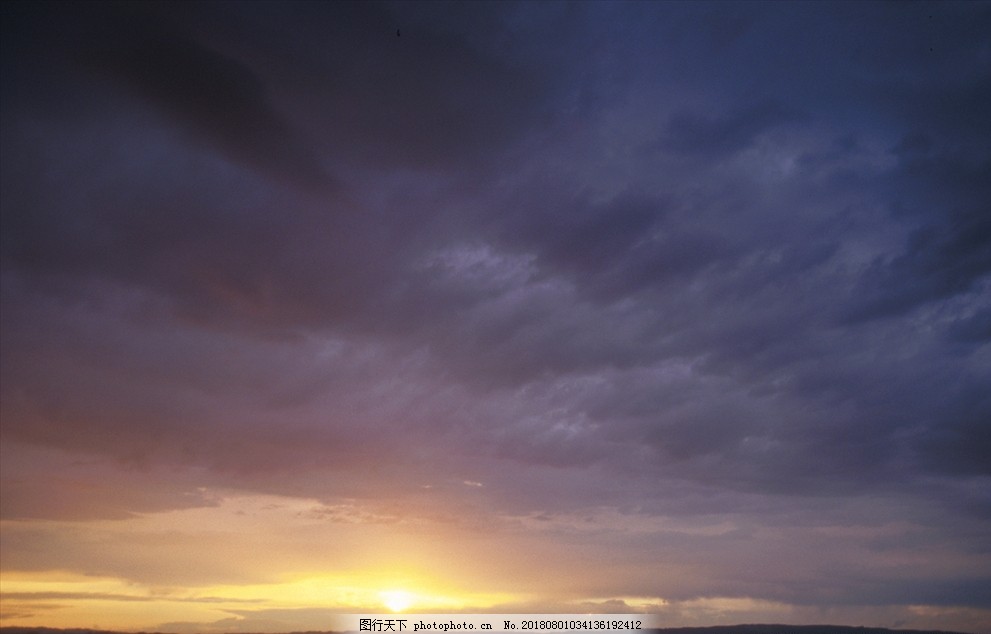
[(396, 600)]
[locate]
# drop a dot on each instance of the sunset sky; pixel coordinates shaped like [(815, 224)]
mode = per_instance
[(311, 308)]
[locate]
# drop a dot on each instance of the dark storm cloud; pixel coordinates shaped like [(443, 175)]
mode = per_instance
[(717, 283), (435, 98), (691, 133), (151, 209), (212, 98), (215, 97), (974, 328), (610, 248), (941, 187), (940, 260)]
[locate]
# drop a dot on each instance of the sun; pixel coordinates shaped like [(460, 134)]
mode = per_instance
[(396, 600)]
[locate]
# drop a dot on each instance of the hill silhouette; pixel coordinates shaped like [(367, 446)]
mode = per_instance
[(715, 629)]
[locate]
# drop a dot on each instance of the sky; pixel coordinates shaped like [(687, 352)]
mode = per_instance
[(674, 308)]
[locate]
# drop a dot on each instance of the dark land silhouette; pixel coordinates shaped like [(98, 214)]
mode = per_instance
[(716, 629)]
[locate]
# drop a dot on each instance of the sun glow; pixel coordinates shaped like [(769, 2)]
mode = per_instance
[(396, 600), (387, 577)]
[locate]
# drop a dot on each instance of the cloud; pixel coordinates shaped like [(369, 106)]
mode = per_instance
[(943, 259), (212, 98), (690, 133)]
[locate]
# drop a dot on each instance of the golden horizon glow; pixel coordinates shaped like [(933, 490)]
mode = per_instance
[(299, 562), (71, 600)]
